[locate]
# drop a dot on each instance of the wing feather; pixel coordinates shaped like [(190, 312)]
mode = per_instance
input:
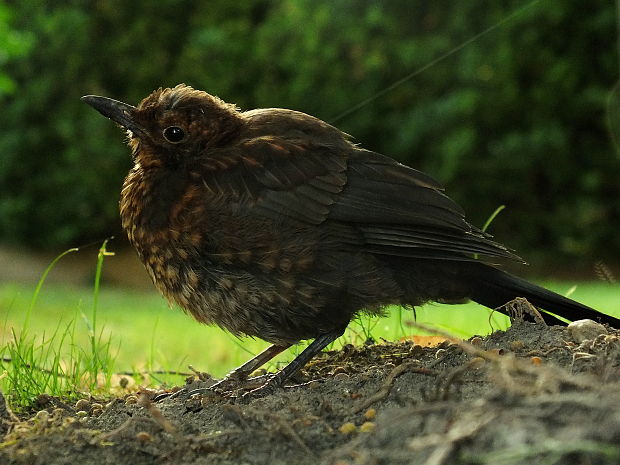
[(367, 201)]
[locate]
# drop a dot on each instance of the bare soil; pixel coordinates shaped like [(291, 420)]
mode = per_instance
[(530, 395)]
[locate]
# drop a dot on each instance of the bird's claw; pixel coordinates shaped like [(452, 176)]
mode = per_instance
[(171, 395), (229, 388), (230, 385), (235, 388), (262, 391)]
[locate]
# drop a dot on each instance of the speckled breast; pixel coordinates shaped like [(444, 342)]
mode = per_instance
[(220, 268)]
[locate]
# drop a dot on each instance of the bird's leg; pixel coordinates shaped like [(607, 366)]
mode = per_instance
[(236, 378), (240, 374), (295, 365)]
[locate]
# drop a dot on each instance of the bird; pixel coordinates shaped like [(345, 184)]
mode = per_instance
[(274, 224)]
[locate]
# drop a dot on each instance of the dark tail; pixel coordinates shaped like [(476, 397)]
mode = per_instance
[(493, 288)]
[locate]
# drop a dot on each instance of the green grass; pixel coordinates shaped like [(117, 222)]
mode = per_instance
[(73, 334), (52, 361)]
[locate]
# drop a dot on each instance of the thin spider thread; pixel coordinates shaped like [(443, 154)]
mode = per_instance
[(432, 63)]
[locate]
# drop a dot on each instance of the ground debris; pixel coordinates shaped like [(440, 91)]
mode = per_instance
[(7, 418), (528, 395)]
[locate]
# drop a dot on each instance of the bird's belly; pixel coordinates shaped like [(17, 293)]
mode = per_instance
[(272, 305)]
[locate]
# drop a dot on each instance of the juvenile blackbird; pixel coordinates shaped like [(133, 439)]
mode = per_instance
[(274, 224)]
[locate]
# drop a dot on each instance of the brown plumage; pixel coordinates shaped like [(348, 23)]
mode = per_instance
[(272, 223)]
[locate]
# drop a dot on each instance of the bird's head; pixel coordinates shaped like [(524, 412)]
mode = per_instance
[(172, 124)]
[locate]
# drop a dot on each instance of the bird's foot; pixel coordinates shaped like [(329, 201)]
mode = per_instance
[(272, 385), (232, 387), (231, 384), (235, 389), (169, 395), (228, 387), (263, 390)]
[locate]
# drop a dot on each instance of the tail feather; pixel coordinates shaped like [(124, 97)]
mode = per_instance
[(493, 288)]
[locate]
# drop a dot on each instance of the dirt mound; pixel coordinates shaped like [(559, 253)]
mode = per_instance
[(529, 395)]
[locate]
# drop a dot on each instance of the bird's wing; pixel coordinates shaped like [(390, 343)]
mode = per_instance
[(404, 212), (280, 178), (393, 209)]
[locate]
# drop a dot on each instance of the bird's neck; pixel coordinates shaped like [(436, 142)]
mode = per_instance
[(148, 199)]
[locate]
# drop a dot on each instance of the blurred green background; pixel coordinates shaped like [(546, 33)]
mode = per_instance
[(518, 117)]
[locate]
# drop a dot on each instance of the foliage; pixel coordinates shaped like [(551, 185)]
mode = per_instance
[(515, 118), (13, 43)]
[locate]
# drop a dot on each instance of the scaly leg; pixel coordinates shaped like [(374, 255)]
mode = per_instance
[(236, 376), (294, 366), (240, 374)]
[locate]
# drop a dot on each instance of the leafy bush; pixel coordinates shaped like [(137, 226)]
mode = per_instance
[(516, 117)]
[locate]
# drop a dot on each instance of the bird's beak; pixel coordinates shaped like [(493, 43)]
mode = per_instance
[(119, 112)]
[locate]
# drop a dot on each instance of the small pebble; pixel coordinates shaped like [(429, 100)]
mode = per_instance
[(82, 404), (81, 414), (476, 341), (582, 330), (516, 345), (143, 436), (96, 412), (370, 414), (348, 348), (96, 406), (339, 370), (131, 400), (416, 349), (536, 360), (367, 427), (347, 428), (42, 416), (341, 377)]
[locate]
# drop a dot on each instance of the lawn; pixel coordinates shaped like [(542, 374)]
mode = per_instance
[(147, 334)]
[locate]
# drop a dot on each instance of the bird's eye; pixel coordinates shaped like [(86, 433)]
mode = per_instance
[(174, 134)]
